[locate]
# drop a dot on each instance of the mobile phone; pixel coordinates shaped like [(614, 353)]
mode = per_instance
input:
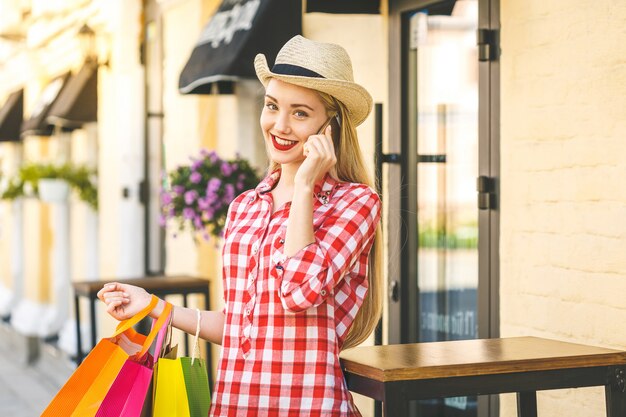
[(325, 125)]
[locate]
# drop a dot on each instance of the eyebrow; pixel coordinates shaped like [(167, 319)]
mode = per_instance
[(293, 105)]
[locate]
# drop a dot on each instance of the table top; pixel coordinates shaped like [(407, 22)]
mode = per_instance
[(473, 357), (169, 283)]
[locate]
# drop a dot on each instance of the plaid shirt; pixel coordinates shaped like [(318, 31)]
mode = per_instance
[(287, 318)]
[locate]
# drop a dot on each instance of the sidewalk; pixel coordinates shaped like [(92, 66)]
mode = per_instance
[(25, 390)]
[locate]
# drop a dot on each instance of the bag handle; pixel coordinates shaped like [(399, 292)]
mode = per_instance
[(196, 347), (164, 332), (130, 322), (158, 326)]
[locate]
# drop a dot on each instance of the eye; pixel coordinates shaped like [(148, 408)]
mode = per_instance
[(271, 106), (301, 113)]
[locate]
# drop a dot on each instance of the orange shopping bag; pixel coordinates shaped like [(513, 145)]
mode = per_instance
[(84, 391)]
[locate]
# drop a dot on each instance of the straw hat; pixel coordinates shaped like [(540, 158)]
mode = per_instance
[(324, 67)]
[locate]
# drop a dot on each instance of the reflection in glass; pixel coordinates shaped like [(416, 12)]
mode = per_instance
[(447, 125)]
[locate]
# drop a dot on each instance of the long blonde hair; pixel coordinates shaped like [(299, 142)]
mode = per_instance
[(351, 168)]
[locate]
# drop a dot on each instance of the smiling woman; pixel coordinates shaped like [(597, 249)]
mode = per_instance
[(301, 250)]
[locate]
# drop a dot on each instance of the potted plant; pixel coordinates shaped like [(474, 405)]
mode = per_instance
[(51, 182), (196, 196)]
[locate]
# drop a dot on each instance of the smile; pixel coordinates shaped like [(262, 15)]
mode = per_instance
[(282, 144)]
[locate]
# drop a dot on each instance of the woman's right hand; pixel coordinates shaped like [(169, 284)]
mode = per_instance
[(123, 301)]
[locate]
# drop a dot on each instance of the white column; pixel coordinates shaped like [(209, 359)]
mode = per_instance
[(57, 312), (9, 297)]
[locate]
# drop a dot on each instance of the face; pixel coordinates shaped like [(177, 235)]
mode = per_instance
[(290, 115)]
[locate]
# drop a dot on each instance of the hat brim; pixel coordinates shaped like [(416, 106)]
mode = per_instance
[(356, 98)]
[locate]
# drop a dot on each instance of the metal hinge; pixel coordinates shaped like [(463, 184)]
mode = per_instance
[(487, 45), (486, 192)]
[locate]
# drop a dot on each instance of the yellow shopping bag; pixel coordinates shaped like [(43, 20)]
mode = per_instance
[(181, 387)]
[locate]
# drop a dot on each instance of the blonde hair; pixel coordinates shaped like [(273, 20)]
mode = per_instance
[(351, 168)]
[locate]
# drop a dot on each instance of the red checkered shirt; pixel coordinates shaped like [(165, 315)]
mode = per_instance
[(287, 318)]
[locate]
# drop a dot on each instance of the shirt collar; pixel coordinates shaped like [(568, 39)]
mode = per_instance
[(323, 190)]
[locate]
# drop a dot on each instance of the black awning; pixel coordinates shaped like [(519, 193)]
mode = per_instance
[(343, 6), (238, 31), (37, 123), (11, 117), (77, 103)]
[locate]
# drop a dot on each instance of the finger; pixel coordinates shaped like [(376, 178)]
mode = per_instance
[(315, 147), (108, 298), (119, 294), (113, 308), (327, 141)]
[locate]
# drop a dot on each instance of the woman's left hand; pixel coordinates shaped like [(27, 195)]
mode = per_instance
[(320, 158)]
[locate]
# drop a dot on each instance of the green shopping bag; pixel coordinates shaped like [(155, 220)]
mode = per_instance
[(181, 385)]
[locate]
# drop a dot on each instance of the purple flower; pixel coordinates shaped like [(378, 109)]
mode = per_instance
[(240, 185), (226, 169), (166, 198), (205, 236), (188, 213), (178, 189), (162, 221), (213, 185), (229, 193), (195, 177), (190, 196), (196, 164), (213, 157), (203, 203), (197, 222)]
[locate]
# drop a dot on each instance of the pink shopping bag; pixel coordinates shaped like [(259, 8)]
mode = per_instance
[(128, 392)]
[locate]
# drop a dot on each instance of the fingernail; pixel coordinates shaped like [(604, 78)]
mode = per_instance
[(126, 295), (111, 286)]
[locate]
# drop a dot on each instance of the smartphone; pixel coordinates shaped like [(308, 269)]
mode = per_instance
[(325, 125)]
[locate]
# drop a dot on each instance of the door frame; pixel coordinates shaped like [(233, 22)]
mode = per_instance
[(403, 316)]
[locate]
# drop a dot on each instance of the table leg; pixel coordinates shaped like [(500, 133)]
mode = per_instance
[(79, 347), (616, 393), (186, 334), (395, 404), (92, 312), (527, 404)]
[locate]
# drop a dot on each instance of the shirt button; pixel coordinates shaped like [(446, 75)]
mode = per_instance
[(255, 248), (247, 311), (251, 277), (281, 241), (323, 292)]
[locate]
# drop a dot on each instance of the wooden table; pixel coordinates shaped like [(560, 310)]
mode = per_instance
[(396, 374), (158, 285)]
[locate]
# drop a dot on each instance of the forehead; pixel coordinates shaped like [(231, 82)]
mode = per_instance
[(291, 93)]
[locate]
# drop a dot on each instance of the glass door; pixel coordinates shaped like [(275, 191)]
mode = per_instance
[(443, 63)]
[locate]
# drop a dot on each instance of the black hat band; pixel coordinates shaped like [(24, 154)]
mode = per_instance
[(288, 69)]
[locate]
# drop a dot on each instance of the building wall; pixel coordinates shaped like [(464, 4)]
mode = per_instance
[(563, 234)]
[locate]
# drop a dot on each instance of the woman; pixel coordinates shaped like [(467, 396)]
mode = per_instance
[(300, 256)]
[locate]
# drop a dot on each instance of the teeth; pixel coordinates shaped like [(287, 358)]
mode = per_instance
[(284, 142)]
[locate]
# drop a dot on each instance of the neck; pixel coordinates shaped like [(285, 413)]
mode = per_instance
[(288, 174)]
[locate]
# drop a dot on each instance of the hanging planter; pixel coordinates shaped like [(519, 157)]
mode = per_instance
[(53, 190), (56, 181)]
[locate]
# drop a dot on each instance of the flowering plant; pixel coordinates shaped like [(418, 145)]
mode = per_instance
[(198, 194)]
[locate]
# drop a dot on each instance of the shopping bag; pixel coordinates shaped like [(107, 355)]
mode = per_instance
[(85, 389), (127, 394), (181, 387)]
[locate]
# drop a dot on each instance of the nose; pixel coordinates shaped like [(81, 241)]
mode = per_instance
[(281, 123)]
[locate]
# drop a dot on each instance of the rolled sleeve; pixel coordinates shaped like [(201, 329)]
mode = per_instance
[(308, 277)]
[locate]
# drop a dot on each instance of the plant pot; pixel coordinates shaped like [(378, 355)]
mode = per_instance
[(53, 190)]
